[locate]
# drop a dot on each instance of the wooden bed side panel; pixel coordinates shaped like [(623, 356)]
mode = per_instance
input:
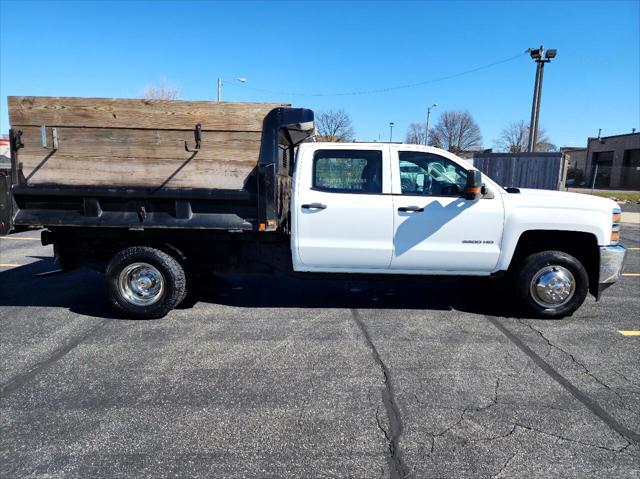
[(137, 143), (120, 144), (137, 113), (153, 173)]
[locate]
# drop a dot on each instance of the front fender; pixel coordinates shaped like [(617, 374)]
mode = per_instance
[(522, 220)]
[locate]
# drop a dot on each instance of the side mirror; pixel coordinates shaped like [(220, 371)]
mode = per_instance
[(473, 188)]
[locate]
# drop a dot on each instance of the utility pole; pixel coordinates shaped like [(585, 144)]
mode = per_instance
[(426, 129), (540, 56), (220, 82), (391, 131)]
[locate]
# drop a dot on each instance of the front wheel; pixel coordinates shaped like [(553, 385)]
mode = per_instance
[(552, 284), (145, 283)]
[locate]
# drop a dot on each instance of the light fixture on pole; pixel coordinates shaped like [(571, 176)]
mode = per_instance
[(391, 131), (221, 82), (540, 56), (426, 130)]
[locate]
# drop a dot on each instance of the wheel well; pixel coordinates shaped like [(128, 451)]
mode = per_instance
[(75, 247), (580, 245)]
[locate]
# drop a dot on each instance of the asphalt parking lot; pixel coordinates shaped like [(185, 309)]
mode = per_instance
[(284, 377)]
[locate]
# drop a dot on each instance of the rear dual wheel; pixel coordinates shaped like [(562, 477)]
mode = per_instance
[(145, 282)]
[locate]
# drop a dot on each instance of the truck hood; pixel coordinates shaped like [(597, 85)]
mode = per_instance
[(544, 210), (559, 200)]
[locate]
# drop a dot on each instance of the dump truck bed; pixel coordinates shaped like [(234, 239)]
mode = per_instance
[(151, 163)]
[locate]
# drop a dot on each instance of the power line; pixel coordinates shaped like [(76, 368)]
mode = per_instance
[(387, 89)]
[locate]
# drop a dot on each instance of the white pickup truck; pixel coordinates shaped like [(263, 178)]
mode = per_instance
[(408, 209), (343, 208)]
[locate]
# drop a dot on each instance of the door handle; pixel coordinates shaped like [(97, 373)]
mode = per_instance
[(314, 206), (411, 209)]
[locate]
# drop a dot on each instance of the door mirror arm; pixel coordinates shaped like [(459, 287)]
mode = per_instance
[(487, 193)]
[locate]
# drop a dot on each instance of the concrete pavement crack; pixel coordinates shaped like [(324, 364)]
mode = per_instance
[(495, 397), (504, 466), (396, 465), (517, 425), (465, 410), (629, 381), (313, 371), (500, 436), (19, 380), (446, 430), (583, 398), (380, 426), (573, 359), (563, 438)]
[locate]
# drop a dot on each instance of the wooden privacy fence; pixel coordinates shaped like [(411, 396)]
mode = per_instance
[(546, 171), (137, 143)]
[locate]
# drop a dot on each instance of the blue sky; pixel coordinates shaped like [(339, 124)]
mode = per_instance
[(114, 49)]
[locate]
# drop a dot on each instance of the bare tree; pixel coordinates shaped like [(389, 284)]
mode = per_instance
[(334, 125), (545, 146), (416, 134), (456, 131), (514, 138), (163, 91)]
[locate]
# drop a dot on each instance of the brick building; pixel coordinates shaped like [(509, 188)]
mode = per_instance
[(614, 161)]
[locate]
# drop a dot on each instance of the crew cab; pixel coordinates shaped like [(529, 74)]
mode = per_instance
[(409, 209), (332, 208)]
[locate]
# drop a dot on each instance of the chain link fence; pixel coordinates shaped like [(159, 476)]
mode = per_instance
[(605, 177)]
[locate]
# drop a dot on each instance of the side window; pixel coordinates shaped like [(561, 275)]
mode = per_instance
[(430, 175), (348, 171)]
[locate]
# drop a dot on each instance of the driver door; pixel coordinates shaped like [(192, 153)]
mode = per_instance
[(436, 230)]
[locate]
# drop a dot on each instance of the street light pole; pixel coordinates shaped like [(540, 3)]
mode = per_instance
[(426, 130), (535, 106), (540, 56), (391, 131), (220, 83)]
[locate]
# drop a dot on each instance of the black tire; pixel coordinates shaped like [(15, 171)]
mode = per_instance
[(537, 262), (173, 282), (192, 290)]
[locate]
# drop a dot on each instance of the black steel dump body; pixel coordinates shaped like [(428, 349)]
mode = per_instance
[(261, 206)]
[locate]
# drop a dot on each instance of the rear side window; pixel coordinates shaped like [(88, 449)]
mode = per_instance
[(348, 171)]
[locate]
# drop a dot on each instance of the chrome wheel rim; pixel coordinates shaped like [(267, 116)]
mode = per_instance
[(553, 286), (141, 284)]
